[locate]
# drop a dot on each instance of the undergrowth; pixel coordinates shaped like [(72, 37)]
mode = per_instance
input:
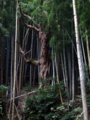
[(3, 100), (46, 105)]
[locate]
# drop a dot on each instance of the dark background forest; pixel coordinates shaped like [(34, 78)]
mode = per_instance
[(44, 71)]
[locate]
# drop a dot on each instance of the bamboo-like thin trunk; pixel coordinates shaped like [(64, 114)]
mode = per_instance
[(31, 67), (53, 68), (11, 66), (83, 52), (38, 53), (21, 68), (73, 84), (15, 60), (65, 70), (88, 50), (69, 70), (1, 63), (11, 72), (7, 60), (80, 63), (56, 64)]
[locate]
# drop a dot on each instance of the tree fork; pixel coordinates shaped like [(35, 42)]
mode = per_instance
[(28, 60), (44, 53)]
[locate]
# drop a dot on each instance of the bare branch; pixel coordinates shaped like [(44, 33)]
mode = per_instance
[(30, 26), (28, 60), (24, 94), (27, 52), (27, 16), (20, 49)]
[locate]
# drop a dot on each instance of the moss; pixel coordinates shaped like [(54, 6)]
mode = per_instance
[(32, 60)]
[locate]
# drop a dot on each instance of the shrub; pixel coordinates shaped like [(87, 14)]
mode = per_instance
[(45, 105)]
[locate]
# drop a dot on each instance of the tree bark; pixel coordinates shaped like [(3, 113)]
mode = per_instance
[(44, 53)]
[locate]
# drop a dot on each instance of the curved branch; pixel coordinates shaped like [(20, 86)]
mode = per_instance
[(28, 60), (27, 16), (30, 26)]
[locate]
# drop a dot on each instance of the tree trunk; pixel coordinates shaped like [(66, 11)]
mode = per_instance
[(31, 57), (57, 77), (15, 60), (1, 62), (73, 75), (80, 63), (53, 69), (88, 50), (7, 60), (44, 53)]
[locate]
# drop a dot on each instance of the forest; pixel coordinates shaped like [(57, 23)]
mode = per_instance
[(44, 60)]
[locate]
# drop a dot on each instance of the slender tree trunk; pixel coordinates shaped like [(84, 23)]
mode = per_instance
[(80, 63), (1, 63), (11, 72), (53, 68), (69, 70), (31, 67), (88, 50), (21, 68), (58, 82), (65, 72), (38, 53), (15, 60), (83, 52), (12, 60), (62, 65), (7, 60), (73, 81)]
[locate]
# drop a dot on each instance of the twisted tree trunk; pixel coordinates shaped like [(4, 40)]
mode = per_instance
[(44, 53)]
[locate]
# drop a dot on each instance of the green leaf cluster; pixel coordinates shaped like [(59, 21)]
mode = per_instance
[(7, 17), (53, 16), (3, 89), (45, 105), (84, 19)]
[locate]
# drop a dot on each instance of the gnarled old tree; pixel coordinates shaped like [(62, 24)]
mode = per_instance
[(44, 53)]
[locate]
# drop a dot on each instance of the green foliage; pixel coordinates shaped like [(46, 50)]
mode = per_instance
[(7, 18), (53, 16), (3, 118), (1, 108), (4, 31), (27, 88), (39, 105), (84, 19), (35, 10), (45, 104), (3, 90)]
